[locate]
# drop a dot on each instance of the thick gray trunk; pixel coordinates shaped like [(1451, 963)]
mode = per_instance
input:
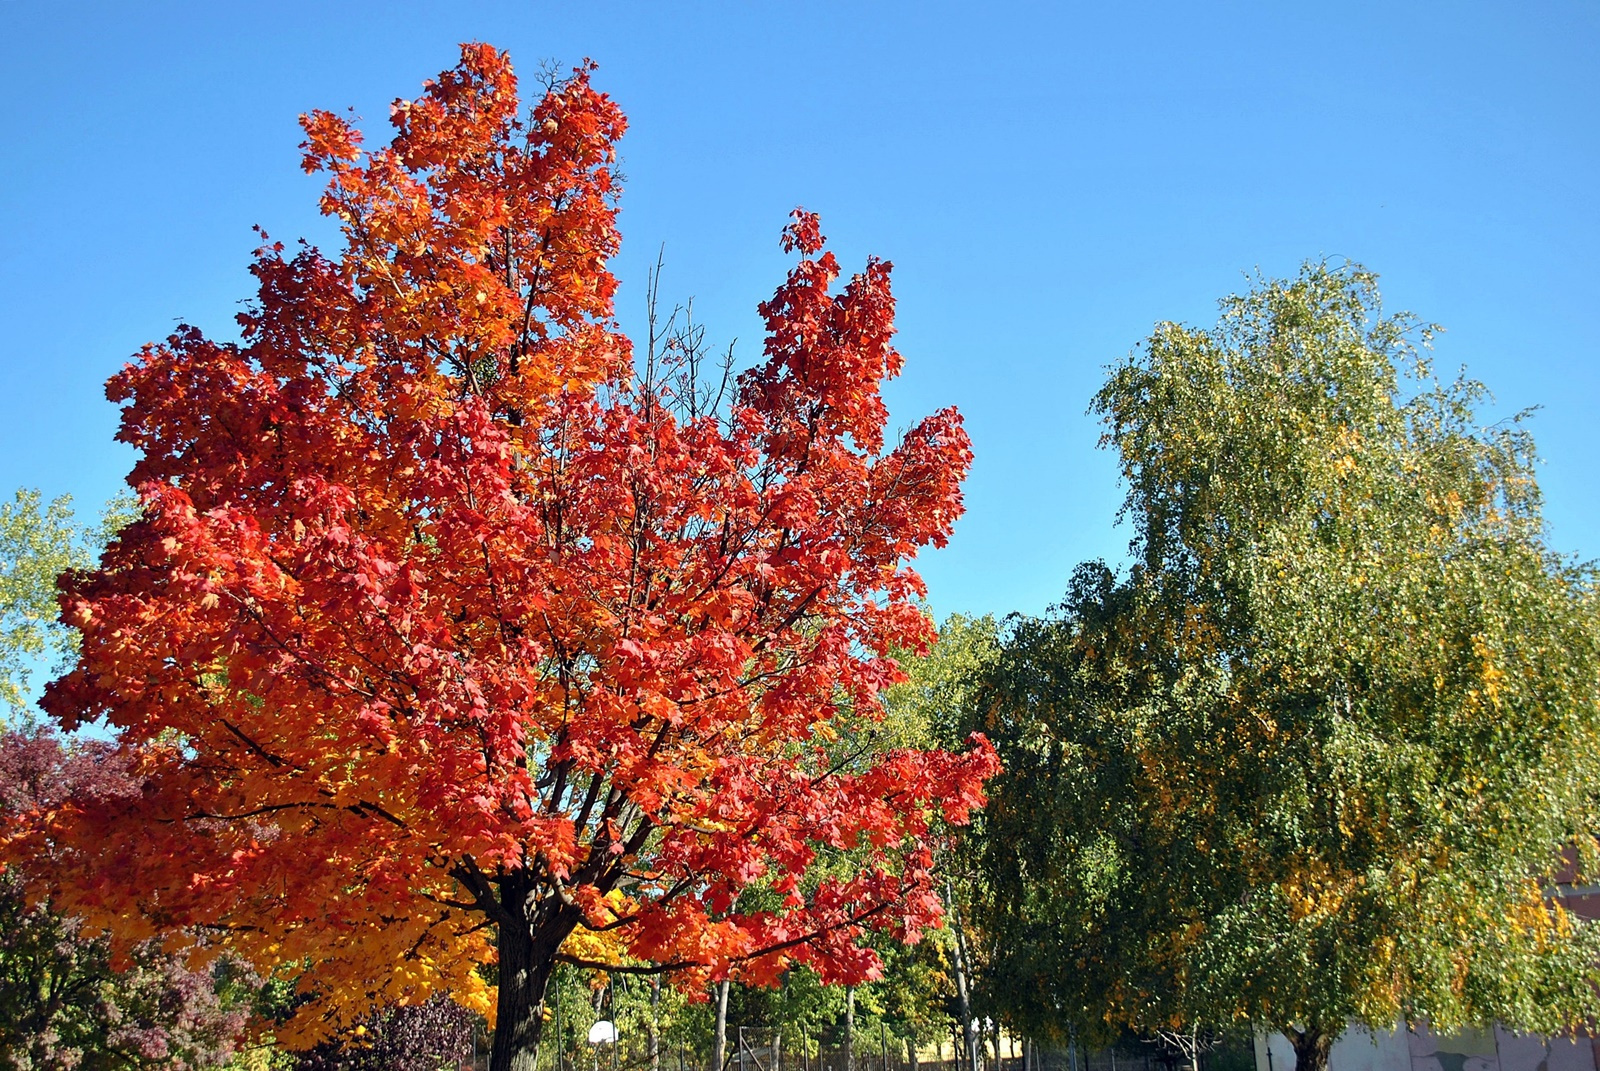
[(528, 948), (719, 1045), (1311, 1047)]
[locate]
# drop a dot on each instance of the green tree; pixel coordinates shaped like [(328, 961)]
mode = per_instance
[(913, 999), (1318, 754), (927, 708), (38, 542)]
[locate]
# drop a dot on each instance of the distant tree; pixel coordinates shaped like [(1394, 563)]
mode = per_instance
[(38, 542), (933, 704), (1319, 753), (912, 999), (64, 1002)]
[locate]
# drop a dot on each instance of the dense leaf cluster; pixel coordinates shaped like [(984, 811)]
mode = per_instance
[(423, 1037)]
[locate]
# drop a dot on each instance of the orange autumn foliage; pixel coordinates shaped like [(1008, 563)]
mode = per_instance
[(445, 610)]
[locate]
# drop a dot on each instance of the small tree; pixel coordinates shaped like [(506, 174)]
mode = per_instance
[(1319, 753), (65, 1001), (453, 630), (930, 706)]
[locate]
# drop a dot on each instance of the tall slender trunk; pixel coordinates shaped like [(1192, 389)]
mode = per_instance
[(655, 1022), (719, 1043), (780, 1020), (850, 1029), (558, 1062), (1311, 1047), (963, 994), (911, 1054)]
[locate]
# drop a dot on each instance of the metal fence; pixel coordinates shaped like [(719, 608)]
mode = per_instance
[(754, 1049)]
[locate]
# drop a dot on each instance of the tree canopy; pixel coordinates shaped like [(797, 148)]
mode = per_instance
[(1321, 750), (38, 542), (453, 629)]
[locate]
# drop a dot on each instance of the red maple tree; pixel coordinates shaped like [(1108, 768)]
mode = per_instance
[(454, 631)]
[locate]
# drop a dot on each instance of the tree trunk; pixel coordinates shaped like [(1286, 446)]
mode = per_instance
[(1311, 1047), (911, 1054), (525, 969), (963, 996), (850, 1029), (719, 1043), (558, 1062), (528, 948), (655, 1022), (777, 1049)]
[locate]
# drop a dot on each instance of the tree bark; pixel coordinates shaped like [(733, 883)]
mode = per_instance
[(527, 943), (1311, 1047), (655, 1022), (719, 1044), (850, 1028), (963, 996), (519, 1005)]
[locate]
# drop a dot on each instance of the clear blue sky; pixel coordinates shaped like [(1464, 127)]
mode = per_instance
[(1049, 180)]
